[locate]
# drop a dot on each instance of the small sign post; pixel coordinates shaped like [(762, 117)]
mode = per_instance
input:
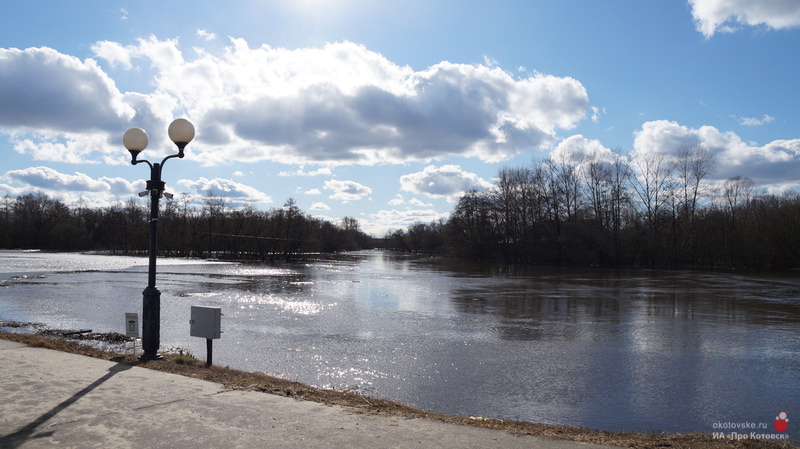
[(132, 328)]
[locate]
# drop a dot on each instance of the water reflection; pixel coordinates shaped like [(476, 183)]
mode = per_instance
[(613, 349)]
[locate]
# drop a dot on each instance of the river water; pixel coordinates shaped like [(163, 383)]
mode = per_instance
[(641, 350)]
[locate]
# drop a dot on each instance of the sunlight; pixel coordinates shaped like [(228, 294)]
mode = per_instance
[(316, 7)]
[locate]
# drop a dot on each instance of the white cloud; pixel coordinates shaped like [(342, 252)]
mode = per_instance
[(447, 181), (114, 53), (419, 203), (752, 121), (324, 171), (56, 107), (343, 104), (44, 90), (313, 192), (163, 55), (334, 105), (397, 200), (320, 206), (205, 35), (711, 16), (387, 220), (416, 202), (576, 148), (225, 188), (596, 113), (12, 192), (76, 148), (68, 187), (49, 180), (772, 163), (347, 190)]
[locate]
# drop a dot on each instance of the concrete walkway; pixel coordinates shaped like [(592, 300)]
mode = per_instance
[(55, 399)]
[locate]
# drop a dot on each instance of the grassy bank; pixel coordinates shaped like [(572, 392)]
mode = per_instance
[(186, 365)]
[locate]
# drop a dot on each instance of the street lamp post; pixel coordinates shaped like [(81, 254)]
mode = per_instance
[(181, 131)]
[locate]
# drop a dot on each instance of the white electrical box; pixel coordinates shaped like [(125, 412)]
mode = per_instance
[(206, 322), (132, 325)]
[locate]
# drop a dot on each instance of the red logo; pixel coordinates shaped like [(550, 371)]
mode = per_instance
[(782, 422)]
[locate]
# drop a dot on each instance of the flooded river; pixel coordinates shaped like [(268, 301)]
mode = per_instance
[(607, 349)]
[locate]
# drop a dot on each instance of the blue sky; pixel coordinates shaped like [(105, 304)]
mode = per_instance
[(387, 111)]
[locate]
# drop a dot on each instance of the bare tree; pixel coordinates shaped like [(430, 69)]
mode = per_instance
[(692, 165), (350, 224), (513, 188), (565, 189), (652, 187), (737, 192), (597, 176), (620, 176), (214, 214)]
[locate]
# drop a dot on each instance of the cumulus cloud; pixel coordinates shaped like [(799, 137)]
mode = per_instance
[(113, 52), (164, 55), (49, 180), (347, 190), (447, 181), (56, 107), (577, 148), (70, 188), (225, 188), (319, 206), (344, 104), (12, 192), (711, 16), (768, 164), (71, 147), (42, 89), (333, 105)]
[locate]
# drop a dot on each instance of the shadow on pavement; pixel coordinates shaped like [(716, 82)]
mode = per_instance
[(26, 433)]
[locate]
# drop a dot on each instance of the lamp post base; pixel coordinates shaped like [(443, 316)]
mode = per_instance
[(151, 326)]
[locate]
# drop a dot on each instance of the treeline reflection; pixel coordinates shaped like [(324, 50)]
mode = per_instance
[(576, 304)]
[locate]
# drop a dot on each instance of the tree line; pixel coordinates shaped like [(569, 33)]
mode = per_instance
[(211, 230), (651, 210)]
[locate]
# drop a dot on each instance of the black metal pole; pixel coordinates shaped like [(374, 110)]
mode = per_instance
[(209, 352), (151, 296)]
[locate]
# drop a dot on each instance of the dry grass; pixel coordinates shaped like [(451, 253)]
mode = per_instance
[(186, 365)]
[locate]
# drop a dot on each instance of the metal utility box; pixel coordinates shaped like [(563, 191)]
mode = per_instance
[(205, 322), (132, 325)]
